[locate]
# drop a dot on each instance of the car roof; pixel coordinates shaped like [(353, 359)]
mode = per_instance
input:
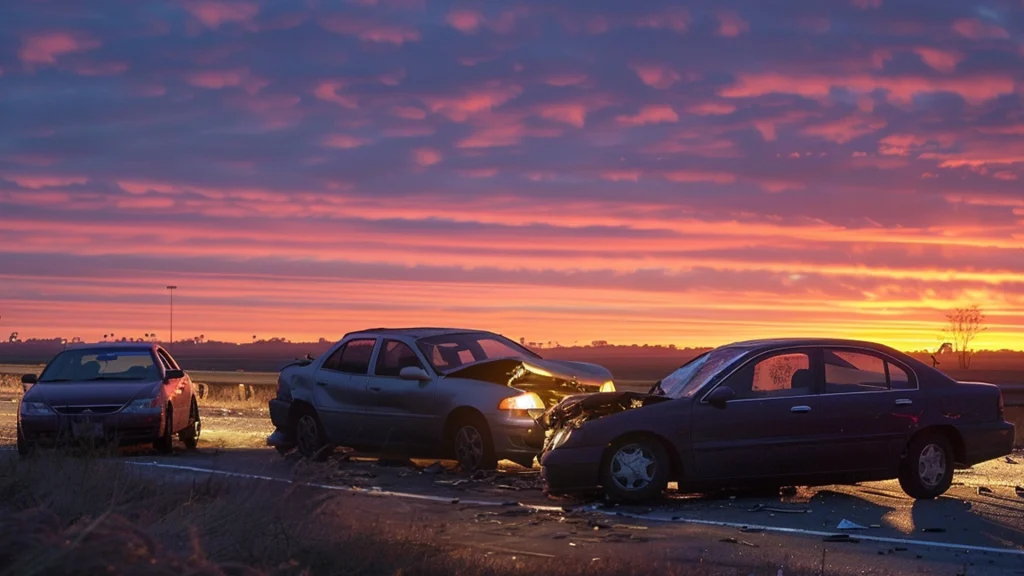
[(795, 342), (416, 333), (117, 345)]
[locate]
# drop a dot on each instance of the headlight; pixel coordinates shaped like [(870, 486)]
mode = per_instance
[(560, 437), (608, 386), (144, 405), (527, 401), (36, 409)]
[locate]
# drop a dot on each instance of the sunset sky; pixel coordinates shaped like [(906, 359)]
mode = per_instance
[(689, 173)]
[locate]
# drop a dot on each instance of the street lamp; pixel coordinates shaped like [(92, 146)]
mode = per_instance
[(170, 290)]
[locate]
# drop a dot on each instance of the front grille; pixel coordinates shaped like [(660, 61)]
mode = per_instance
[(76, 410)]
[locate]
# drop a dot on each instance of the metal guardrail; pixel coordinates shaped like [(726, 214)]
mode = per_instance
[(1013, 395)]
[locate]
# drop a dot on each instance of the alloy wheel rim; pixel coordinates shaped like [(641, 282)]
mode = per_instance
[(197, 423), (633, 467), (308, 435), (469, 447), (931, 467)]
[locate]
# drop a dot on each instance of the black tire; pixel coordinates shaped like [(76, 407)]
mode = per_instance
[(635, 470), (472, 445), (24, 448), (165, 443), (190, 435), (309, 435), (926, 472)]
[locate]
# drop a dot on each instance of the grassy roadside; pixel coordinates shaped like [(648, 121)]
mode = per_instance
[(81, 515)]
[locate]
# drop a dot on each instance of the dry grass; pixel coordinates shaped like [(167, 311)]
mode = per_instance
[(10, 384), (79, 515)]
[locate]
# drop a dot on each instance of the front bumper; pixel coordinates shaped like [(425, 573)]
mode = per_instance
[(983, 442), (279, 417), (516, 439), (121, 429), (572, 469)]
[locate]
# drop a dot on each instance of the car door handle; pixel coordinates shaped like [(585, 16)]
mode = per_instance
[(800, 409), (321, 383), (904, 402), (375, 388)]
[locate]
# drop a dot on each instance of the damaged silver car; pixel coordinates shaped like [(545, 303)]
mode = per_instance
[(466, 395)]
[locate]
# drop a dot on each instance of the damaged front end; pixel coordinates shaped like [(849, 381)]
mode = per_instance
[(551, 381), (559, 421)]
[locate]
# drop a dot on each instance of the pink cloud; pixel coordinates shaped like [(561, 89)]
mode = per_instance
[(574, 114), (503, 130), (478, 172), (1005, 175), (975, 29), (100, 68), (392, 78), (654, 114), (343, 141), (907, 144), (142, 186), (730, 24), (37, 182), (144, 203), (220, 79), (473, 101), (941, 60), (621, 175), (567, 79), (975, 90), (370, 31), (409, 112), (465, 21), (656, 75), (843, 130), (45, 48), (690, 176), (816, 24), (866, 4), (711, 109), (213, 13), (426, 157), (328, 92)]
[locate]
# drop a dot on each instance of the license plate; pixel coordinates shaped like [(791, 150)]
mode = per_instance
[(87, 429)]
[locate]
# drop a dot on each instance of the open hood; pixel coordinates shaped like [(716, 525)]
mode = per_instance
[(551, 380), (575, 410)]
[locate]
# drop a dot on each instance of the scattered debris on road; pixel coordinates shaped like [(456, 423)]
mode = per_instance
[(844, 538), (845, 524), (779, 509), (983, 490)]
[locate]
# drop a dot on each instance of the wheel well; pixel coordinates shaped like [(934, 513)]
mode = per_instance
[(460, 414), (675, 474), (951, 434), (297, 408)]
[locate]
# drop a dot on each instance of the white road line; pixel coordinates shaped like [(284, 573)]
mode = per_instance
[(350, 489), (648, 517), (858, 536)]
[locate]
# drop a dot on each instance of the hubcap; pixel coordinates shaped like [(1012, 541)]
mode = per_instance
[(308, 435), (633, 467), (469, 448), (931, 467)]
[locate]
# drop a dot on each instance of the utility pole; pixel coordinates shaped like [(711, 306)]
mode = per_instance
[(170, 290)]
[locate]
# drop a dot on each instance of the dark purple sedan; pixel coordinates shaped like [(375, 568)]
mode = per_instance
[(123, 393), (777, 413)]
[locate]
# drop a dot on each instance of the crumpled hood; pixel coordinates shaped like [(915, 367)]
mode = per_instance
[(90, 393), (583, 373), (577, 409)]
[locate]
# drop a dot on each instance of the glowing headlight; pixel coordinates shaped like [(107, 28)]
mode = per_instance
[(608, 386), (142, 406), (560, 437), (527, 401), (36, 409)]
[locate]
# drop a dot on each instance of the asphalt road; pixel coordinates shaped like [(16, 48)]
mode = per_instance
[(983, 531)]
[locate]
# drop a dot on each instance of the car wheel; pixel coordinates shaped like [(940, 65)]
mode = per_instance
[(190, 435), (472, 445), (165, 442), (636, 470), (309, 436), (927, 470), (24, 448)]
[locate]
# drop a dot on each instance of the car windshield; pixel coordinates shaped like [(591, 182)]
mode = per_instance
[(450, 351), (101, 365), (684, 382)]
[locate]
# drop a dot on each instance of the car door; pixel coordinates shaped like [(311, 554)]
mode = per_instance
[(770, 429), (340, 394), (176, 390), (874, 406), (404, 413)]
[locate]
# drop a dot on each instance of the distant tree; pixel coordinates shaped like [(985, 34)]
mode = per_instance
[(14, 337), (963, 326), (105, 337)]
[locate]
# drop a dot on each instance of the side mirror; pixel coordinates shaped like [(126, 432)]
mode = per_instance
[(174, 374), (720, 396), (29, 379), (414, 373)]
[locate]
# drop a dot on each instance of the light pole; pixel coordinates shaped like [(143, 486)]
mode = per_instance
[(170, 290)]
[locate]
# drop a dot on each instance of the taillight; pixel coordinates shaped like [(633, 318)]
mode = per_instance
[(1001, 414)]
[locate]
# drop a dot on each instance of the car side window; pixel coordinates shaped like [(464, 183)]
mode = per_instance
[(394, 356), (898, 378), (777, 376), (847, 371), (352, 358), (166, 359)]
